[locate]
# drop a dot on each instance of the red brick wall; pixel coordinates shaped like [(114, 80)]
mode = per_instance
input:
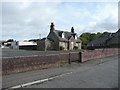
[(27, 63), (74, 56), (98, 53), (21, 64)]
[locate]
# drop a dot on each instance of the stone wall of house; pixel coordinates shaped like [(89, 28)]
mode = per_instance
[(12, 65), (63, 44), (41, 45), (55, 44), (44, 45), (78, 45)]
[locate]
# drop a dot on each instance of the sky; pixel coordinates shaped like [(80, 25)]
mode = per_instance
[(26, 20)]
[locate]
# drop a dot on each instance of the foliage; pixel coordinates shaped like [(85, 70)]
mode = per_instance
[(87, 37), (99, 34), (61, 48), (75, 47)]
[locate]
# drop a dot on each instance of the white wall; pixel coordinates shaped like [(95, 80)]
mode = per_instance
[(26, 43), (63, 44)]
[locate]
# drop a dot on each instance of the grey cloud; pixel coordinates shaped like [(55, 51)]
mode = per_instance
[(27, 22), (108, 24)]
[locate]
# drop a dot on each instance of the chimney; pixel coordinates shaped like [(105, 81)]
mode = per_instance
[(72, 30), (52, 27)]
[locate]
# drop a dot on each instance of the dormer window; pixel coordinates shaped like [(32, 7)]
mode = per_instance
[(63, 35), (75, 37)]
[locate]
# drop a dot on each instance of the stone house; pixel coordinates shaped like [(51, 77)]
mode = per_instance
[(58, 39)]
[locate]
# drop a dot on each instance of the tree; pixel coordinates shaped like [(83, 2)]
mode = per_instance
[(106, 33), (92, 36), (87, 37), (99, 34)]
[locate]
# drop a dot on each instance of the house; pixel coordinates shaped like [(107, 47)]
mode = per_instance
[(115, 40), (110, 40), (59, 40)]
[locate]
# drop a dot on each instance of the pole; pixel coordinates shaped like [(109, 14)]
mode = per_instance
[(39, 36)]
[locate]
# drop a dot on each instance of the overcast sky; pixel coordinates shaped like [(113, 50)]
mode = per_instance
[(26, 20)]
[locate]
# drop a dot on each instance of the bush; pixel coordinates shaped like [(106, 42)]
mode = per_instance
[(75, 47), (61, 48)]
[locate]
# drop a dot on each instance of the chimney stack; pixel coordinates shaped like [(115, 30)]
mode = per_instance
[(72, 30), (52, 28)]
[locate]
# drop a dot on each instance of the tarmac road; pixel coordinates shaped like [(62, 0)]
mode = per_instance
[(103, 75), (99, 73)]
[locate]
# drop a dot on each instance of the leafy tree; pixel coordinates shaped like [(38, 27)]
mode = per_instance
[(106, 33), (92, 36), (99, 34), (87, 37), (84, 40)]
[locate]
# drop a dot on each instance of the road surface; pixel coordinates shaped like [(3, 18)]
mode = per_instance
[(99, 73)]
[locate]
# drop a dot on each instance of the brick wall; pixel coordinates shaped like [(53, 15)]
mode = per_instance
[(27, 63), (98, 53)]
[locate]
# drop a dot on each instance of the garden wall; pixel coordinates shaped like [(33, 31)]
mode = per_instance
[(26, 63), (98, 53), (17, 64)]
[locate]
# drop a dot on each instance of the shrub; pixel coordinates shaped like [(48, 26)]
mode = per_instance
[(75, 47), (61, 48)]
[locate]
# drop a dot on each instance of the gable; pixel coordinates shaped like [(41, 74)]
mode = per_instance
[(52, 36)]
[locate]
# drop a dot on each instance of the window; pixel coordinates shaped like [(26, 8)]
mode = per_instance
[(63, 35), (75, 37)]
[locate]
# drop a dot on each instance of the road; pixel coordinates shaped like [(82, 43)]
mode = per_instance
[(99, 73)]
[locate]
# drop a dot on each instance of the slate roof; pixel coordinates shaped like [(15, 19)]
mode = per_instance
[(67, 35), (59, 35), (45, 38), (106, 39), (115, 39), (98, 41)]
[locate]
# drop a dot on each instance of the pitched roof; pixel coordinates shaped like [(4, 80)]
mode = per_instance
[(59, 35), (115, 39), (67, 35), (45, 38), (108, 38), (98, 41)]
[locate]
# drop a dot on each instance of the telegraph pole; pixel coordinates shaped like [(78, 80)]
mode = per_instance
[(40, 36)]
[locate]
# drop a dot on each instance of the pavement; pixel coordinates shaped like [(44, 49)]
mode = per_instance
[(99, 73)]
